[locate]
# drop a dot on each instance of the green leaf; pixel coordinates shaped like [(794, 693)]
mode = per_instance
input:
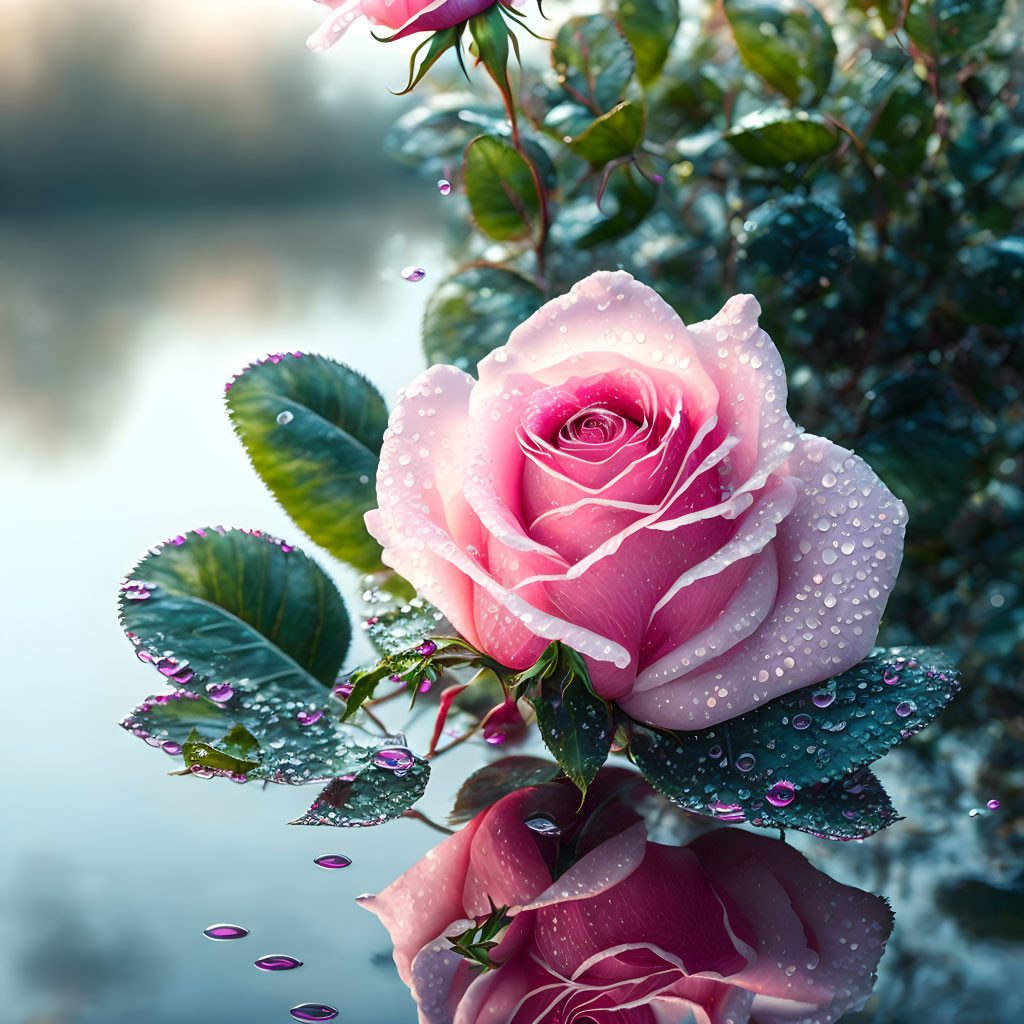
[(787, 42), (853, 807), (487, 785), (991, 282), (593, 62), (237, 753), (627, 200), (576, 726), (948, 27), (774, 137), (313, 429), (372, 793), (474, 312), (433, 136), (784, 756), (364, 684), (615, 134), (799, 239), (241, 609), (167, 720), (649, 26), (501, 189), (899, 140)]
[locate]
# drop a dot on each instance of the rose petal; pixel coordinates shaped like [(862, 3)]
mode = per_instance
[(838, 554)]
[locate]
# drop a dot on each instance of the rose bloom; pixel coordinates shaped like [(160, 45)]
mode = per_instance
[(734, 927), (636, 489), (401, 17)]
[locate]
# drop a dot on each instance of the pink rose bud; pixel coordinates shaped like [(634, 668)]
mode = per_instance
[(503, 721), (734, 926), (636, 489)]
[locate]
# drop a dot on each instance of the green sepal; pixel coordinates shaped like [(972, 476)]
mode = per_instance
[(490, 38), (576, 725), (439, 43)]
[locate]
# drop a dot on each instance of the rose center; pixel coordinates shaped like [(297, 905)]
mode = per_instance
[(593, 426)]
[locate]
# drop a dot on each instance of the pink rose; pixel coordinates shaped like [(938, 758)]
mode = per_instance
[(401, 17), (635, 488), (733, 927)]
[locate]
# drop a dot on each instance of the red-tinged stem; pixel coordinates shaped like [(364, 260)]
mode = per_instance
[(418, 816), (376, 721), (461, 739), (388, 696)]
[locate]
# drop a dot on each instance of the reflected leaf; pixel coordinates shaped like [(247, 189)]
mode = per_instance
[(487, 785)]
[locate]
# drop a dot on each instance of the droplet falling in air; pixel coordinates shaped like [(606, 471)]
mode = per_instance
[(313, 1011), (277, 962), (332, 861), (444, 186), (284, 418), (396, 759), (543, 825), (414, 273), (221, 932), (993, 805), (219, 692)]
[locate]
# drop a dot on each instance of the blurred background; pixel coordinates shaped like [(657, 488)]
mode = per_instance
[(183, 188)]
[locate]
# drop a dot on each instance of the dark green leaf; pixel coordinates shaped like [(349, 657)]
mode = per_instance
[(853, 807), (799, 239), (593, 61), (434, 136), (787, 42), (576, 726), (649, 26), (487, 785), (627, 200), (364, 684), (805, 739), (438, 43), (501, 189), (474, 312), (899, 140), (949, 27), (615, 134), (991, 282), (240, 609), (372, 793), (775, 137), (313, 429)]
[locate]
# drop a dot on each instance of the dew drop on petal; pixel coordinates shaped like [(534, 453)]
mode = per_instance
[(277, 962), (332, 861), (221, 932), (543, 825)]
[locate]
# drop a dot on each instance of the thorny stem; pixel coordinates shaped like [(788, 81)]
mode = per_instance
[(419, 816)]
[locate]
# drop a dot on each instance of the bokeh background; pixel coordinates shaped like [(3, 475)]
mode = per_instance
[(183, 188)]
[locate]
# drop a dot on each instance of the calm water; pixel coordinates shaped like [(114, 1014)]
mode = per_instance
[(118, 338)]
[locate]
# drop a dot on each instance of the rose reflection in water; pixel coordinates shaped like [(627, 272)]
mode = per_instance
[(580, 916)]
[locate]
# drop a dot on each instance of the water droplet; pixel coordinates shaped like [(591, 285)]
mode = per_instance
[(219, 692), (427, 648), (745, 762), (309, 717), (715, 752), (332, 861), (890, 676), (285, 417), (993, 805), (801, 721), (781, 794), (412, 274), (221, 932), (823, 699), (396, 759), (905, 708), (277, 962), (170, 747), (313, 1011), (543, 825), (444, 186)]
